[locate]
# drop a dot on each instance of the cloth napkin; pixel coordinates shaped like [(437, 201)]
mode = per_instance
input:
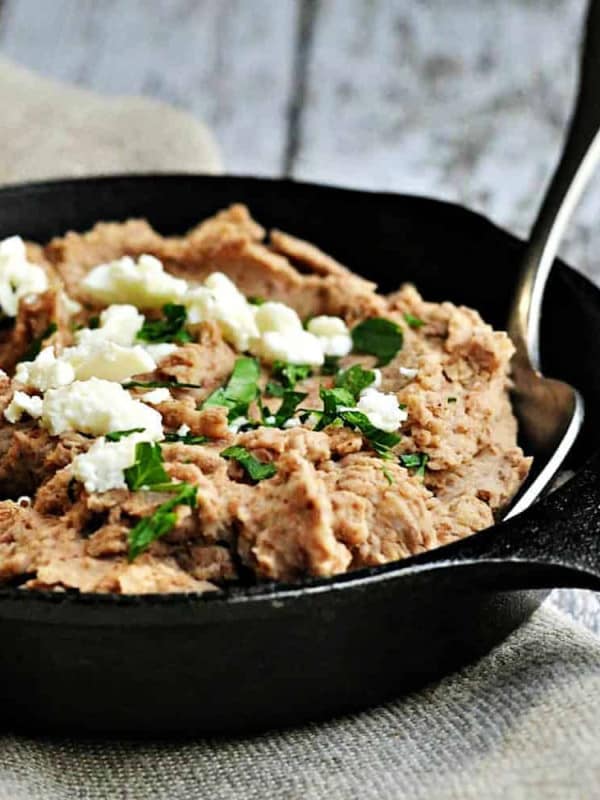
[(522, 723), (53, 130)]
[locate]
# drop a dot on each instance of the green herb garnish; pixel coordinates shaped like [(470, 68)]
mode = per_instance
[(241, 389), (93, 323), (330, 365), (257, 470), (273, 389), (36, 345), (186, 438), (148, 469), (378, 337), (256, 300), (451, 399), (337, 408), (416, 461), (381, 441), (333, 400), (355, 379), (289, 404), (169, 329), (162, 521), (288, 376), (387, 475), (116, 436), (412, 321)]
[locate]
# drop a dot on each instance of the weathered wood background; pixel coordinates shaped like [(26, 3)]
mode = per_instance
[(461, 99)]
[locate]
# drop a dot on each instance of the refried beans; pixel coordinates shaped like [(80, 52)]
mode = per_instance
[(181, 413)]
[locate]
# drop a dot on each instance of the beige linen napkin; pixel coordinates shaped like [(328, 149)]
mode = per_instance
[(524, 723), (51, 130)]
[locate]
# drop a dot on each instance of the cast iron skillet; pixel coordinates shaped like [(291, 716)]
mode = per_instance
[(278, 655)]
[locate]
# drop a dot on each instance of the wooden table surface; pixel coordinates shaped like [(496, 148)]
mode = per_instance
[(461, 99)]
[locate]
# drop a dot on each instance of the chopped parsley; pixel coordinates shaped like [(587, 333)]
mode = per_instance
[(255, 469), (169, 329), (148, 469), (378, 337), (381, 441), (287, 376), (289, 404), (387, 475), (116, 436), (355, 379), (330, 365), (273, 389), (451, 400), (412, 321), (172, 384), (416, 461), (256, 300), (186, 438), (241, 389), (94, 322), (333, 400), (36, 345), (162, 521), (337, 409)]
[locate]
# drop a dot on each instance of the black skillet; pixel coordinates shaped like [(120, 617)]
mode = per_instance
[(278, 655)]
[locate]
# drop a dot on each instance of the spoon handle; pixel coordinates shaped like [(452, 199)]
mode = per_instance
[(581, 153)]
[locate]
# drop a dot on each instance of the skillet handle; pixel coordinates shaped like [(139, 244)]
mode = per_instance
[(555, 543)]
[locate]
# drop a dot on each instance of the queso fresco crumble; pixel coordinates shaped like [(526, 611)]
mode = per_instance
[(179, 413)]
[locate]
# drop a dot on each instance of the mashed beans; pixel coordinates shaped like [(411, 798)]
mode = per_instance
[(288, 421)]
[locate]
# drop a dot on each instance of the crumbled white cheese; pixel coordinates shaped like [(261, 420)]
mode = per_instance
[(292, 422), (23, 403), (408, 372), (183, 430), (221, 301), (102, 467), (295, 347), (157, 396), (283, 338), (92, 358), (119, 323), (105, 359), (160, 350), (237, 423), (18, 277), (382, 409), (97, 407), (144, 283), (378, 377), (45, 372), (273, 316), (333, 335), (270, 420), (71, 306)]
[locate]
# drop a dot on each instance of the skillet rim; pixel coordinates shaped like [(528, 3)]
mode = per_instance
[(272, 592)]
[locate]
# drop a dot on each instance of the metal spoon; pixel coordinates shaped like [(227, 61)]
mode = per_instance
[(550, 412)]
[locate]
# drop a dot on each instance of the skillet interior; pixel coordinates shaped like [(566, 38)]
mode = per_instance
[(256, 658)]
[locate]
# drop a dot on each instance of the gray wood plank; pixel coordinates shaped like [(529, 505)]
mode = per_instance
[(462, 100), (230, 62)]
